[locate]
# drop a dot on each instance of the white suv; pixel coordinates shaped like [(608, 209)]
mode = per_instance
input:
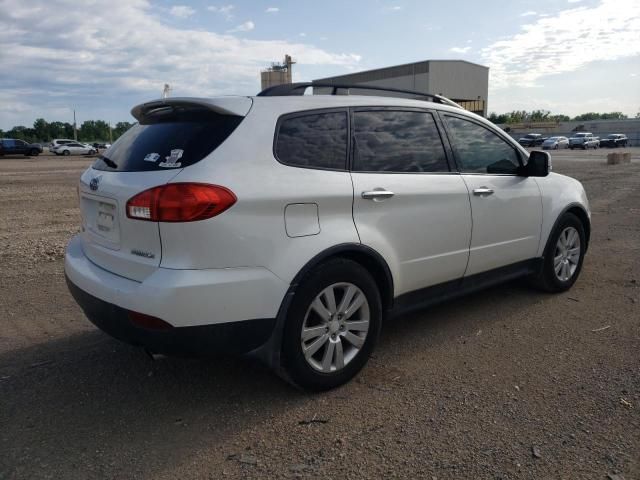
[(290, 226)]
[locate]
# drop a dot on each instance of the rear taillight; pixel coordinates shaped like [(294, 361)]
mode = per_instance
[(180, 202)]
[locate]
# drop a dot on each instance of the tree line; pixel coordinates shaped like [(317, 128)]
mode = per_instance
[(89, 131), (522, 116)]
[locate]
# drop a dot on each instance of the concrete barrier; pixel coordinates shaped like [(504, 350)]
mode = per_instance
[(617, 158)]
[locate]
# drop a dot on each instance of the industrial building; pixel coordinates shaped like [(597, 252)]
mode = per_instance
[(277, 73), (464, 82)]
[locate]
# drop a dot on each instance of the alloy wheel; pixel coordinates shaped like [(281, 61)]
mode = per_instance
[(335, 327), (567, 254)]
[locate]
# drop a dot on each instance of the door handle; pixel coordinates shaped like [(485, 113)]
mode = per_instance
[(483, 191), (377, 194)]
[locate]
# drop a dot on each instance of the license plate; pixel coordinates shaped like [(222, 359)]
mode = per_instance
[(105, 219)]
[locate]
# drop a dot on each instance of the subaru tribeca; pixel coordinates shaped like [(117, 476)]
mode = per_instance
[(290, 226)]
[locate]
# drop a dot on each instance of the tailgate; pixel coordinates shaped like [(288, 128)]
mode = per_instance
[(111, 240)]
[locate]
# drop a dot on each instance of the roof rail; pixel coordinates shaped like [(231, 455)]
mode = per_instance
[(292, 89)]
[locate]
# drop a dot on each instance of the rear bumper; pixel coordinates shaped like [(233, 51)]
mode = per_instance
[(203, 340), (220, 310)]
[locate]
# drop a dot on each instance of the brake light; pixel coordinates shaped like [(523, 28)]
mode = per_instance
[(180, 202)]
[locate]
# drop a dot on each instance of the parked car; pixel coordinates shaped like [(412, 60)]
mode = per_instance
[(74, 148), (101, 146), (614, 140), (555, 143), (291, 225), (531, 140), (584, 140), (59, 141), (11, 146)]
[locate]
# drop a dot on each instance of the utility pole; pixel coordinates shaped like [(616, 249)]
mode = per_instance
[(75, 129), (110, 134)]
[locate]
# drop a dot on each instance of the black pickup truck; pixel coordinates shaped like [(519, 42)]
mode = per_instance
[(10, 146)]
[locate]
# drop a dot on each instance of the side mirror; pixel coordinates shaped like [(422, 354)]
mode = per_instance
[(539, 164)]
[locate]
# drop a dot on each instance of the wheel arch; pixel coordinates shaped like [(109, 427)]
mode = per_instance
[(370, 259), (580, 212)]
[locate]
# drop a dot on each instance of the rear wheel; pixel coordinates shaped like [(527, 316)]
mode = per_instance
[(332, 325), (563, 256)]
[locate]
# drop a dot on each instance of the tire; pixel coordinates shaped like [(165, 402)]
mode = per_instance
[(330, 333), (547, 279), (66, 153), (34, 152), (556, 147)]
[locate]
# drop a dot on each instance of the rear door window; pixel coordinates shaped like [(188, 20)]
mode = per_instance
[(397, 141), (168, 140), (317, 140)]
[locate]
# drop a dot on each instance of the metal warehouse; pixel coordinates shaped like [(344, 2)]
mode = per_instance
[(464, 82)]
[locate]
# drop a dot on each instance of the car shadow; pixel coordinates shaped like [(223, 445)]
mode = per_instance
[(89, 400)]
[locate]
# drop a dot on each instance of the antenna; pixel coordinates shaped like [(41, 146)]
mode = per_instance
[(166, 90)]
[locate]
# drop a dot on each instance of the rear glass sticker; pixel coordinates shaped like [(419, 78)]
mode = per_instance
[(152, 157), (172, 160)]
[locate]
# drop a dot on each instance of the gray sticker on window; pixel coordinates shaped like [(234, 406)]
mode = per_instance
[(172, 159)]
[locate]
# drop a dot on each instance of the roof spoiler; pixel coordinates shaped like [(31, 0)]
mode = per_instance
[(237, 106)]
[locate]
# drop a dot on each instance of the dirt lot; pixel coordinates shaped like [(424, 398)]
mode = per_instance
[(508, 383)]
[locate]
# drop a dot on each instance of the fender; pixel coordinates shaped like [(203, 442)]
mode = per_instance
[(270, 352), (584, 218)]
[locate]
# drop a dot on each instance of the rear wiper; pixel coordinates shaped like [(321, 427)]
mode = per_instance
[(110, 163)]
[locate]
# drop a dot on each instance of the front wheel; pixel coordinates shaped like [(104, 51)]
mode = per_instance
[(66, 153), (332, 325), (563, 255)]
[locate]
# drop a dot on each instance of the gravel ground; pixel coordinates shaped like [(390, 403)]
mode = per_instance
[(508, 383)]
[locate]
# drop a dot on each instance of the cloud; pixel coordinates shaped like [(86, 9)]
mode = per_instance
[(574, 1), (181, 11), (553, 45), (110, 65), (224, 10), (272, 10), (459, 49), (244, 27), (302, 34), (529, 13)]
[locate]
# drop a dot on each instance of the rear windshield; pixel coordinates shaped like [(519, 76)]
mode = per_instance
[(168, 141)]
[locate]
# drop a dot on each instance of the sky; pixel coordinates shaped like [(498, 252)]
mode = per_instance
[(102, 57)]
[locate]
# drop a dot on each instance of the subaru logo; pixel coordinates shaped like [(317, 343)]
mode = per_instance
[(93, 185)]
